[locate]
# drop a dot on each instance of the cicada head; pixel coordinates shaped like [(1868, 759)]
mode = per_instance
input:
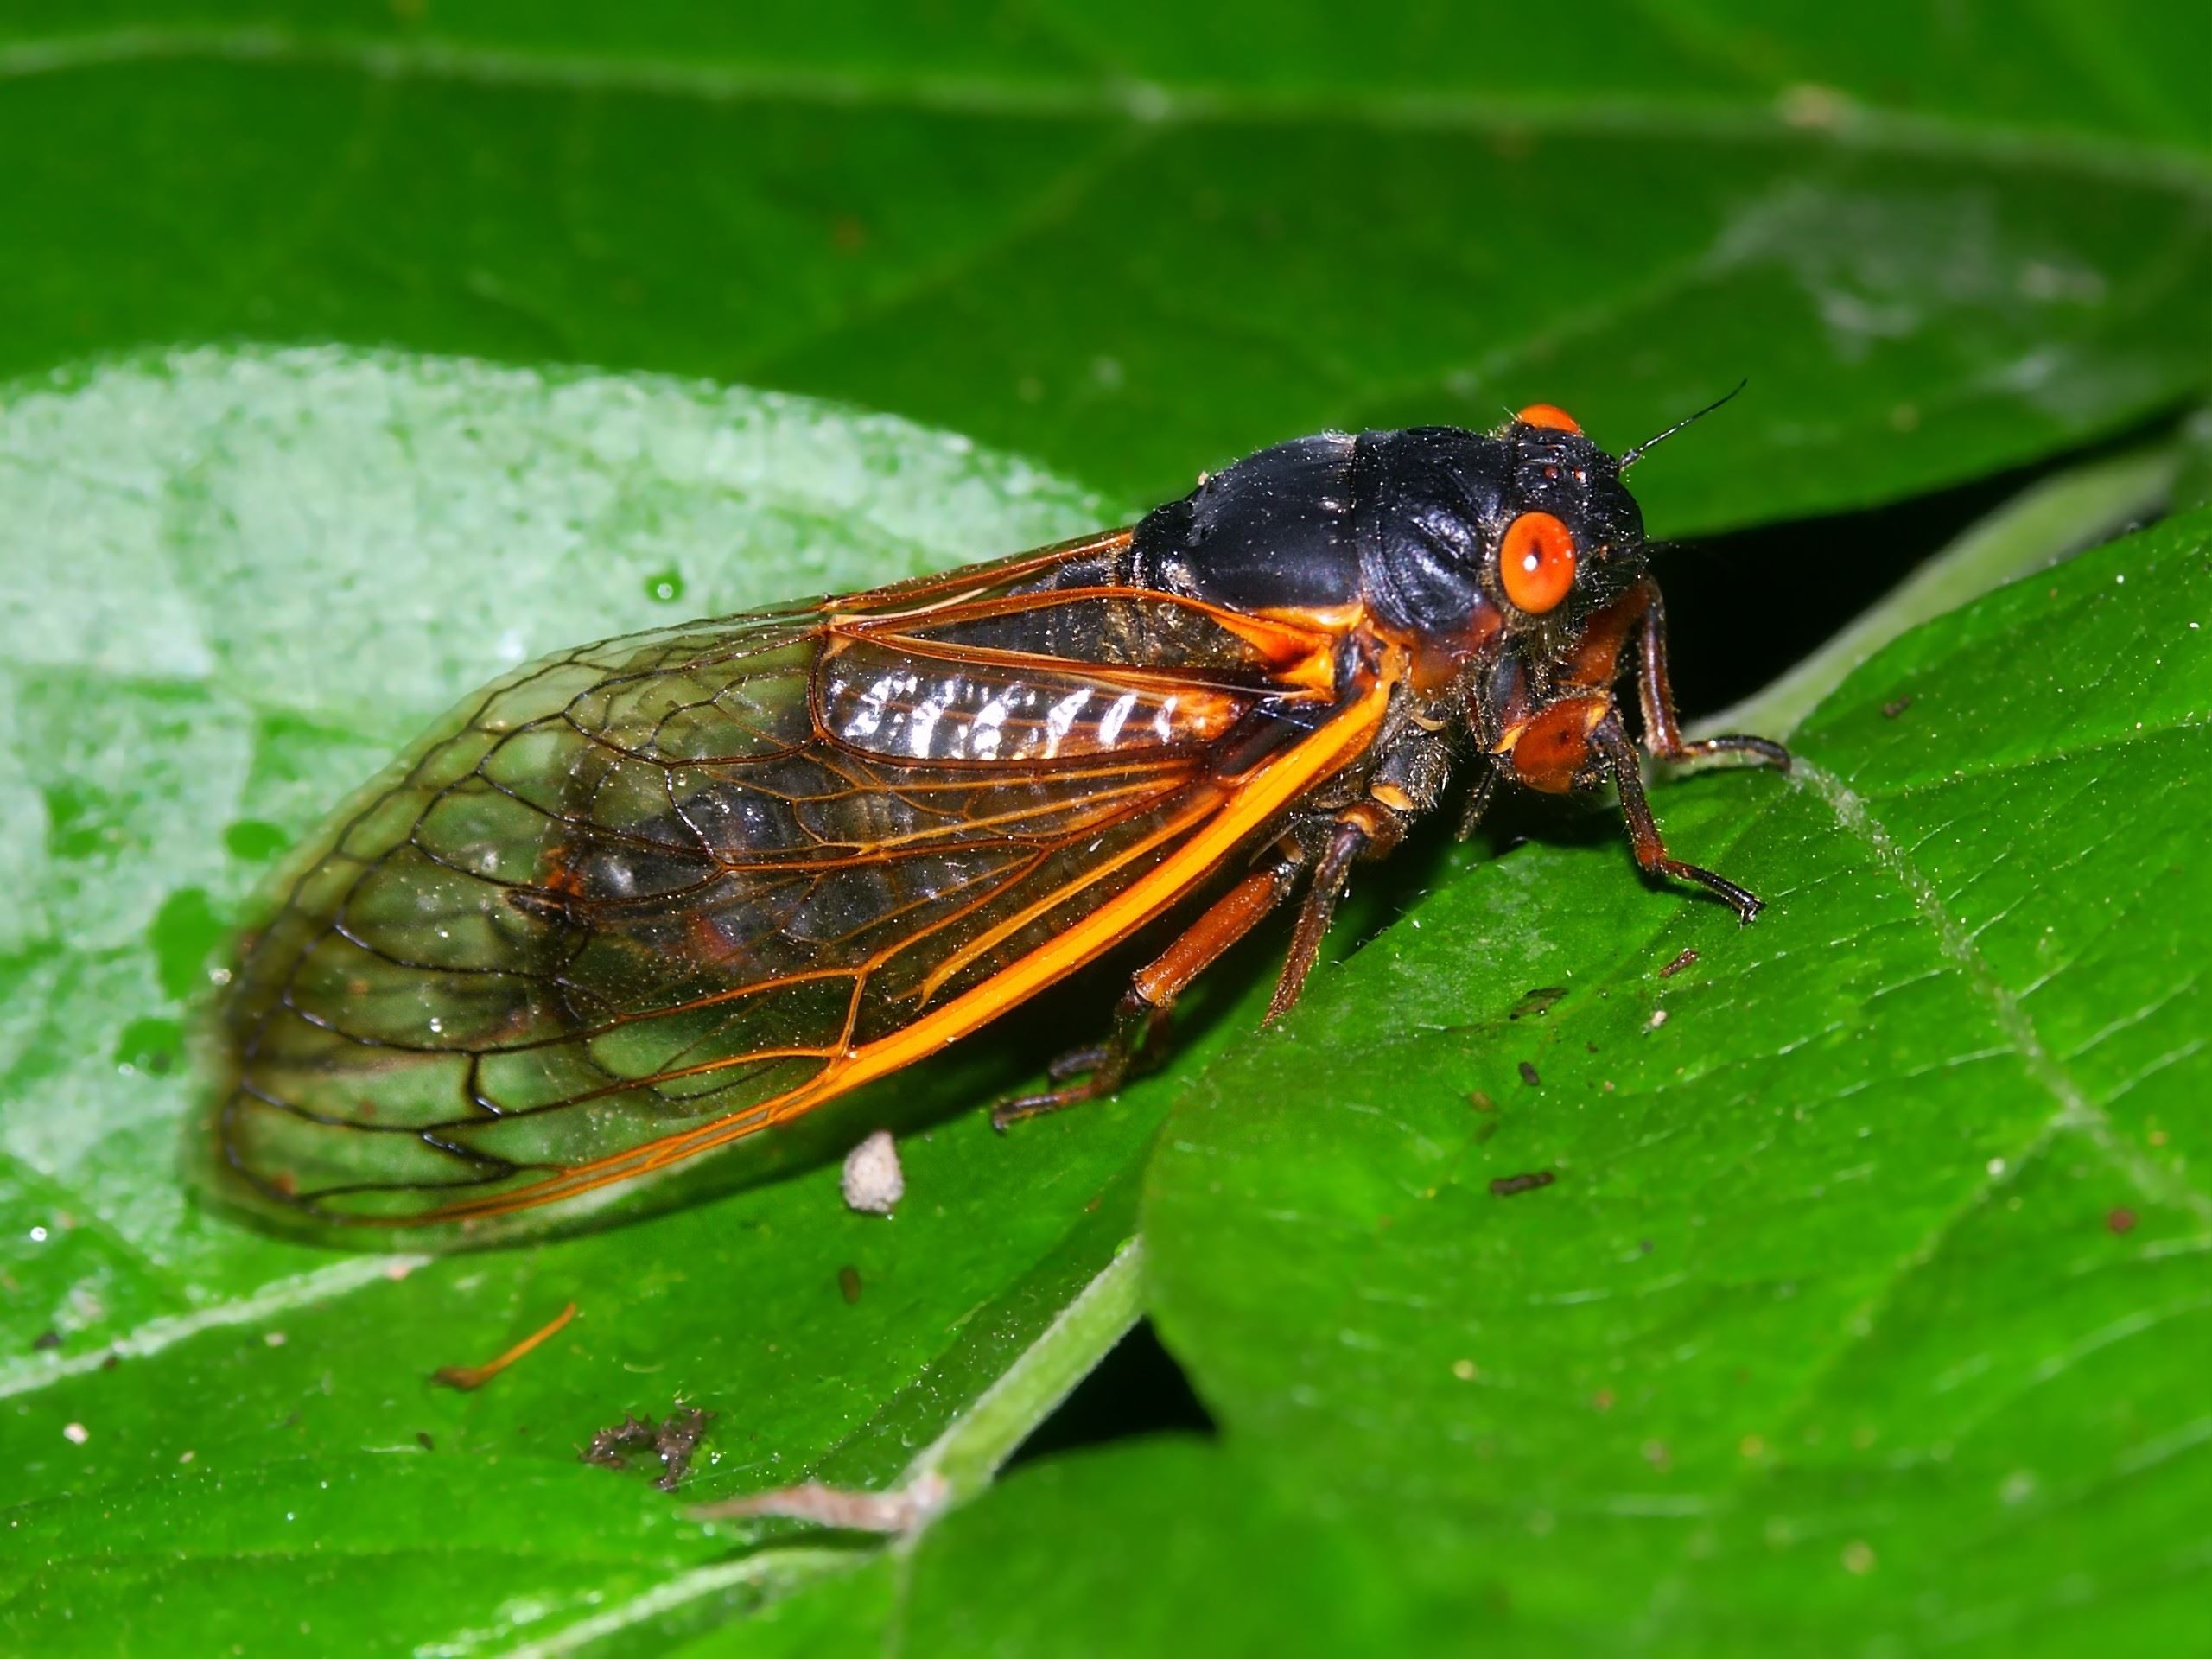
[(1569, 536), (1476, 543)]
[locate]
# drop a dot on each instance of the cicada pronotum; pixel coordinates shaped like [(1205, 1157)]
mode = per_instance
[(646, 897)]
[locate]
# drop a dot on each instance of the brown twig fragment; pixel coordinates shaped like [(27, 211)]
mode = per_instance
[(475, 1377)]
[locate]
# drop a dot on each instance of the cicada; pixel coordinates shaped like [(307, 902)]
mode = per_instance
[(644, 898)]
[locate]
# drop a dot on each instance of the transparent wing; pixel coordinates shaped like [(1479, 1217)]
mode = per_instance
[(648, 895)]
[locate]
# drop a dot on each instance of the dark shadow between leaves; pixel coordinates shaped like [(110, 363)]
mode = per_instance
[(1744, 609), (1137, 1390)]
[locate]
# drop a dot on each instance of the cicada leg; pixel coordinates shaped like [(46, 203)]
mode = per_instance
[(1662, 732), (1611, 739), (1140, 1018), (1362, 831)]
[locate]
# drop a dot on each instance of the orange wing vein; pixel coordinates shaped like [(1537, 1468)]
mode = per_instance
[(648, 896)]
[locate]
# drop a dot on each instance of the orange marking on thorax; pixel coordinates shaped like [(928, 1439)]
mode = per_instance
[(1551, 747), (1595, 658)]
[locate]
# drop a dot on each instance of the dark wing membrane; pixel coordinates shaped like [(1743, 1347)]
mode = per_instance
[(648, 895)]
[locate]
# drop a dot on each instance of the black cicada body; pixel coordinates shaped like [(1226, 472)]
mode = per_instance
[(648, 896)]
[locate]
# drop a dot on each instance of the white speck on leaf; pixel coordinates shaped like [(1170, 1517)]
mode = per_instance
[(873, 1181)]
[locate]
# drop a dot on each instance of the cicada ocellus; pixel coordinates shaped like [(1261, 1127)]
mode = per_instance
[(646, 897)]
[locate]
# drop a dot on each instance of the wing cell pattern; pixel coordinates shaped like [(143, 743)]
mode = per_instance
[(681, 879)]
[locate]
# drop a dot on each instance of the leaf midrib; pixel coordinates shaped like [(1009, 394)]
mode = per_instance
[(1142, 102), (2075, 1106), (2072, 1109), (318, 1287)]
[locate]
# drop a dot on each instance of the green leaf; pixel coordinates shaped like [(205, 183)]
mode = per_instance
[(1193, 1555), (242, 580), (1867, 1305), (1136, 241), (1132, 241), (1148, 1546)]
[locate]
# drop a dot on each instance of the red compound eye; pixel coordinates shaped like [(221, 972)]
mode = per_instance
[(1548, 415), (1537, 563)]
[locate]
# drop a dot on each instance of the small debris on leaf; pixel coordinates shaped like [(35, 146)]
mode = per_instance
[(849, 1283), (1506, 1186), (1678, 964), (1895, 707), (423, 1438), (681, 1431), (1481, 1102), (608, 1446), (475, 1377), (48, 1338), (76, 1433), (673, 1439), (873, 1182), (1658, 1018), (1539, 1001), (2122, 1220), (1529, 1075)]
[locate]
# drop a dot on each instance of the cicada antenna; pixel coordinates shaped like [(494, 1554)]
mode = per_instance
[(1630, 456)]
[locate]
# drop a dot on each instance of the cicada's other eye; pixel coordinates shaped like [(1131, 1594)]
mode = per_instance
[(1550, 417)]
